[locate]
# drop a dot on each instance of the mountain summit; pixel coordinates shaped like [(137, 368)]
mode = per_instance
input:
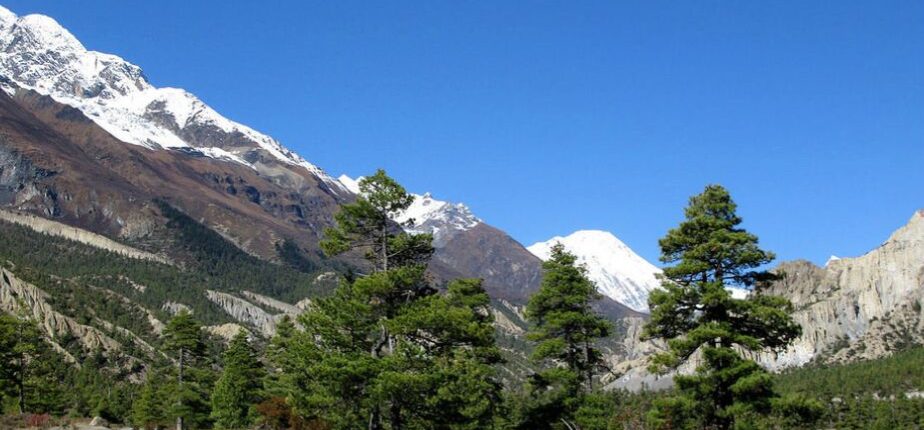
[(618, 271), (37, 53), (440, 218)]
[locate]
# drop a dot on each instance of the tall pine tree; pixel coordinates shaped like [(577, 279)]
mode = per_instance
[(565, 328), (189, 403), (31, 370), (238, 389), (148, 409), (695, 312), (377, 352)]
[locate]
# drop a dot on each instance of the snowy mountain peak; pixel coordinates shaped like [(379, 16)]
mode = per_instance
[(428, 215), (39, 54), (7, 17), (47, 32), (619, 272)]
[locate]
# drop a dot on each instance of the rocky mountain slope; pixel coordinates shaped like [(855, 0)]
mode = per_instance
[(619, 272), (857, 308), (36, 53)]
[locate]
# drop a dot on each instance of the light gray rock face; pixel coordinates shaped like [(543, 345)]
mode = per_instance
[(244, 311), (250, 312), (58, 229), (17, 295), (857, 308)]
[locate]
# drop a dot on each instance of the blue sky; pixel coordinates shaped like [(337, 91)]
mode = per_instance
[(548, 117)]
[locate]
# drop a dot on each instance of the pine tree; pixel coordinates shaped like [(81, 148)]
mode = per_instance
[(148, 408), (8, 357), (365, 225), (189, 399), (565, 328), (276, 382), (695, 312), (238, 389), (377, 352), (31, 370)]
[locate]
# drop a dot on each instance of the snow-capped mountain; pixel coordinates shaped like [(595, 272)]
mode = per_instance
[(39, 54), (619, 272), (428, 215)]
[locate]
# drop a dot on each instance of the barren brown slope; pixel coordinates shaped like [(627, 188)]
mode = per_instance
[(57, 163)]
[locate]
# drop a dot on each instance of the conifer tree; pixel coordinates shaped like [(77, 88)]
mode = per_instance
[(148, 410), (238, 388), (375, 353), (30, 368), (8, 357), (366, 225), (276, 382), (694, 312), (565, 328), (189, 399)]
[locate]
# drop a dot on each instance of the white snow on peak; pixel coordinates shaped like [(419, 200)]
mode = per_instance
[(352, 185), (430, 215), (426, 214), (832, 259), (618, 272), (39, 54), (6, 17)]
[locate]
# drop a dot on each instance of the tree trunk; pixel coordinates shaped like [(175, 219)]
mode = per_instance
[(395, 416), (589, 373), (21, 384), (374, 418), (179, 418), (385, 249), (21, 381)]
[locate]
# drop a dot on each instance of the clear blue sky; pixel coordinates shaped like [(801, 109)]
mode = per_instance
[(547, 117)]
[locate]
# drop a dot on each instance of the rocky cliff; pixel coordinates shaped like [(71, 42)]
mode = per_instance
[(857, 308)]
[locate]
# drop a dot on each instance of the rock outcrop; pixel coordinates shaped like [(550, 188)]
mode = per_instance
[(17, 295), (244, 311), (857, 308), (55, 228)]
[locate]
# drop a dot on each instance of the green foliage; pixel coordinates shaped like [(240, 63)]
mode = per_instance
[(225, 267), (694, 312), (365, 225), (188, 394), (238, 388), (148, 410), (30, 368), (565, 329), (865, 394), (386, 351)]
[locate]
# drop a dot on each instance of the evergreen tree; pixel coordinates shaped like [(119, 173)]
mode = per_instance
[(31, 369), (189, 399), (565, 328), (238, 388), (148, 410), (366, 225), (382, 351), (9, 362), (276, 382), (695, 312)]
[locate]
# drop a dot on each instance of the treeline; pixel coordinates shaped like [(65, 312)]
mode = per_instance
[(386, 350)]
